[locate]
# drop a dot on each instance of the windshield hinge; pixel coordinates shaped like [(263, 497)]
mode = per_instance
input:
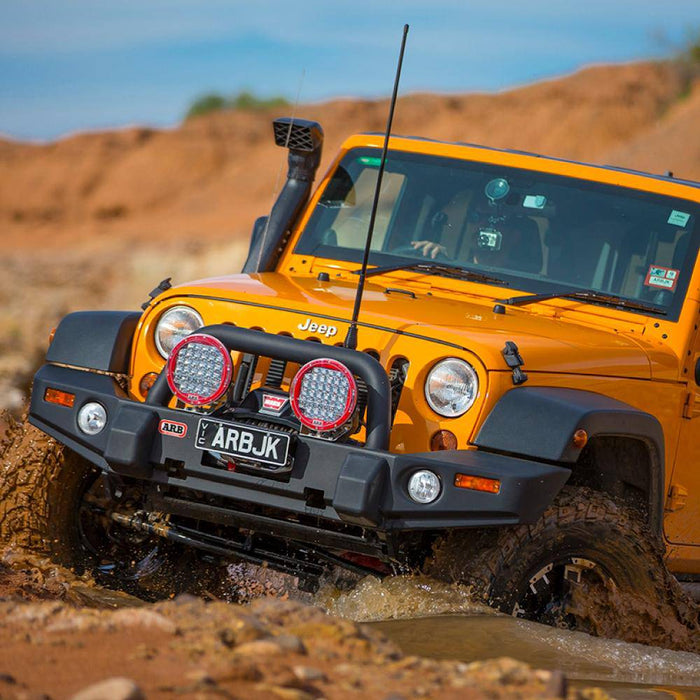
[(691, 407), (511, 355), (163, 286)]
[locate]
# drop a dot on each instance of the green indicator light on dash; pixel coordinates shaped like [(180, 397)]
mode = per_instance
[(370, 160)]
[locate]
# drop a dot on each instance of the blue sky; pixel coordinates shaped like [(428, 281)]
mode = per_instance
[(68, 65)]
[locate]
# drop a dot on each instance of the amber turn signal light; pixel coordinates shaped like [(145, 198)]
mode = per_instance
[(62, 398), (477, 483), (147, 381), (52, 333), (443, 440), (580, 439)]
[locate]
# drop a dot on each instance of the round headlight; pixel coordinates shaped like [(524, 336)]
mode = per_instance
[(199, 369), (92, 418), (323, 394), (424, 486), (174, 325), (451, 387)]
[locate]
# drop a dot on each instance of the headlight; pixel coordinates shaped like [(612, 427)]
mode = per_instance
[(174, 325), (451, 387)]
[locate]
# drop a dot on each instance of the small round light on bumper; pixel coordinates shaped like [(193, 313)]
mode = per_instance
[(424, 486), (92, 418)]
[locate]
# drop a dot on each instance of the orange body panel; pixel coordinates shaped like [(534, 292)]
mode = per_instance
[(641, 360)]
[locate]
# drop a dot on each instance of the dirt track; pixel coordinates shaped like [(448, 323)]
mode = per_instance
[(192, 648)]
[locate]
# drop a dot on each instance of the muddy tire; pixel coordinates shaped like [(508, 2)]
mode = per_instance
[(46, 496), (584, 541), (38, 488)]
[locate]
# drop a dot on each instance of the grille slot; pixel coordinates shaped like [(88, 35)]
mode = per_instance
[(261, 371), (244, 377), (275, 373)]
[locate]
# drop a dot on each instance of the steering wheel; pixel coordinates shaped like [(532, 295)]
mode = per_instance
[(408, 251)]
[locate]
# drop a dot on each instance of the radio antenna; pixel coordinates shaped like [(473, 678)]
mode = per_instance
[(351, 337)]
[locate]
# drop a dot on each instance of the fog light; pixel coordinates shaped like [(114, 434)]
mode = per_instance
[(424, 486), (92, 418)]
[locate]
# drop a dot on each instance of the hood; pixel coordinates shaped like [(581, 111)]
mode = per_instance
[(460, 321)]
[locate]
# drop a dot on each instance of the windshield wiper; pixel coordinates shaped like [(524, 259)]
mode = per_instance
[(584, 294), (433, 268)]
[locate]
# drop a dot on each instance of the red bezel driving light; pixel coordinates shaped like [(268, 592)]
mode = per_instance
[(185, 387), (298, 386)]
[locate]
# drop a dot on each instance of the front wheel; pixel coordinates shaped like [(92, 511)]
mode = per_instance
[(584, 546), (56, 503)]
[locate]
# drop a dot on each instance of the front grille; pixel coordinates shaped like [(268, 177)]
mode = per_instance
[(257, 372)]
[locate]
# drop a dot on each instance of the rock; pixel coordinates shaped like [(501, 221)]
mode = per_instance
[(200, 676), (142, 617), (111, 689), (291, 643), (285, 693), (260, 648), (245, 629), (556, 685), (307, 673)]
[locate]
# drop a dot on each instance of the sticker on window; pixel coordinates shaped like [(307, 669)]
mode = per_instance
[(661, 277), (678, 218), (534, 201)]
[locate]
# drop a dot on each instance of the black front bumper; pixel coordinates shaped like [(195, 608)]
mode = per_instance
[(334, 482)]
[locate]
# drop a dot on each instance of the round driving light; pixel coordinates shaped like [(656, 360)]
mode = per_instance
[(323, 394), (199, 369), (424, 486), (451, 387), (174, 325), (92, 418)]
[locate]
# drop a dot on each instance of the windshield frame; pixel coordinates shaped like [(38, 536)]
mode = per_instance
[(513, 280)]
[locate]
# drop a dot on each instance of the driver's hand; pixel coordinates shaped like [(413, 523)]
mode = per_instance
[(429, 249)]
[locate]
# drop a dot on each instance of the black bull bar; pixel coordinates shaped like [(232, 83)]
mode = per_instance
[(284, 348)]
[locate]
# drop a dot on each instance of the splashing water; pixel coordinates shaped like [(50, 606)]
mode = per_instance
[(399, 597)]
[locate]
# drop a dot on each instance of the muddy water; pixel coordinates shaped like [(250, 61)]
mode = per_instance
[(436, 620)]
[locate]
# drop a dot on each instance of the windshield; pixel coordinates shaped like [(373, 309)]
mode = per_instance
[(534, 230)]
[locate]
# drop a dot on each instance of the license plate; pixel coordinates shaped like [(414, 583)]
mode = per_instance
[(243, 442)]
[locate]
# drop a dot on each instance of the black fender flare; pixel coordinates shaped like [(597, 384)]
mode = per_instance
[(540, 422), (95, 340)]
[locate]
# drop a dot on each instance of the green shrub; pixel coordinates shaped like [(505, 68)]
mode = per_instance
[(244, 100), (205, 104)]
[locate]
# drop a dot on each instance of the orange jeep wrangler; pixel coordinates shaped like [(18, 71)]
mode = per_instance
[(519, 408)]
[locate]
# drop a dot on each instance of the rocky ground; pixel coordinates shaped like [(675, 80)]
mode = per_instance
[(55, 644)]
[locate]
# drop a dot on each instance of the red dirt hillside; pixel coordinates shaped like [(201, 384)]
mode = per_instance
[(210, 177)]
